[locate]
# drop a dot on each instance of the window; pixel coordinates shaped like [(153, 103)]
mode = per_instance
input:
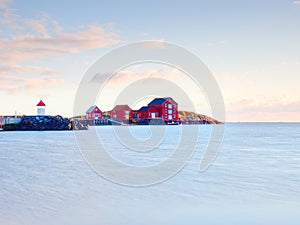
[(169, 106), (170, 111), (170, 117), (126, 114)]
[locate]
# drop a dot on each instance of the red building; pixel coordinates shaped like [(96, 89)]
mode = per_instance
[(121, 112), (167, 108), (159, 109), (148, 112), (94, 113)]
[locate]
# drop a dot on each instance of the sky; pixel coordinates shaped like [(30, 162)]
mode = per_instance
[(251, 48)]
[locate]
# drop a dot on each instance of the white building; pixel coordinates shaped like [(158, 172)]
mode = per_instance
[(41, 108)]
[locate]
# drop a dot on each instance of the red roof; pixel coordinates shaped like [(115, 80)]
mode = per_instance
[(121, 108), (93, 108), (41, 103)]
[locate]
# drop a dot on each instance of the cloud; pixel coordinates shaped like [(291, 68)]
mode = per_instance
[(265, 106), (14, 85), (154, 79), (125, 77), (263, 109), (24, 40), (155, 44), (25, 47), (21, 70), (296, 3), (37, 26), (4, 3)]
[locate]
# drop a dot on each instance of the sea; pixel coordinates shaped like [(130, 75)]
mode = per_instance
[(114, 176)]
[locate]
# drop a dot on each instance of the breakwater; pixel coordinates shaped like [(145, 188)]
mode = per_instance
[(40, 123)]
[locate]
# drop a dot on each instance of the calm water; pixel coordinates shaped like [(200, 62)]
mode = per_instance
[(254, 180)]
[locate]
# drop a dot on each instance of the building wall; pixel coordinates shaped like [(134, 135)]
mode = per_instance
[(92, 115), (168, 110), (151, 113), (121, 112), (41, 111)]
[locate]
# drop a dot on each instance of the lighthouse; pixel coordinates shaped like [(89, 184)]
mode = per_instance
[(41, 108)]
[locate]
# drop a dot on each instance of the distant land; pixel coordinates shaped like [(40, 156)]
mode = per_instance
[(160, 111), (187, 117), (60, 123)]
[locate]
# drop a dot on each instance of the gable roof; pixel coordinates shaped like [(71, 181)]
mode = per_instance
[(147, 108), (92, 108), (121, 107), (41, 103), (144, 108), (158, 101)]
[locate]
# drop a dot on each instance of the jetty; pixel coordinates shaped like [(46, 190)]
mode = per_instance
[(40, 122)]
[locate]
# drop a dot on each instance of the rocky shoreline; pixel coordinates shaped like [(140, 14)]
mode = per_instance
[(57, 123), (45, 123), (187, 117)]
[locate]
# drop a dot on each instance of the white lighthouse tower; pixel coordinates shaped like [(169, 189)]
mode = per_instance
[(41, 107)]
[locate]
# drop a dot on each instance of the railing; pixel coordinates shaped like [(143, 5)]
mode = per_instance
[(115, 121), (8, 121), (1, 123)]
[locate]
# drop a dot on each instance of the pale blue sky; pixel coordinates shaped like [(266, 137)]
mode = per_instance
[(251, 47)]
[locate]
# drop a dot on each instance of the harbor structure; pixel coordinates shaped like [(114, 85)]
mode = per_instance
[(158, 111), (41, 108), (120, 112), (94, 113)]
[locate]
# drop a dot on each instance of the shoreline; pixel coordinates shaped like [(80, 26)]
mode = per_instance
[(60, 123), (133, 125)]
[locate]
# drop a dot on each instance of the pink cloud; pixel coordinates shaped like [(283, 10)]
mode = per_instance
[(25, 47), (158, 44), (265, 106), (18, 85), (4, 3), (127, 76), (33, 70), (28, 40), (38, 26), (264, 117), (267, 110)]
